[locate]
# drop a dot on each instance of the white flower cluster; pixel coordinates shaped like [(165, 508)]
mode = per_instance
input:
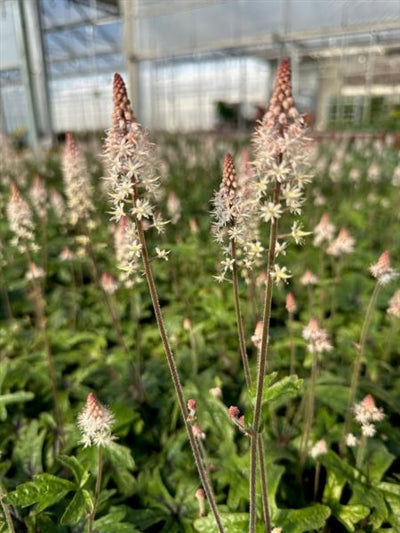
[(317, 338), (366, 413), (128, 252), (323, 231), (281, 156), (394, 305), (235, 207), (57, 204), (132, 181), (129, 158), (20, 220), (319, 448), (382, 269), (77, 185), (38, 196), (95, 422), (342, 245)]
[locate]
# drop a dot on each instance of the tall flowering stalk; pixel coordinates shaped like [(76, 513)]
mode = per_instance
[(232, 209), (78, 189), (133, 186), (384, 273), (21, 224), (280, 154), (318, 343), (95, 422), (291, 309), (38, 197), (235, 226)]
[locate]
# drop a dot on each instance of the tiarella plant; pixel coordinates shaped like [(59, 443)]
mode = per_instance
[(282, 411)]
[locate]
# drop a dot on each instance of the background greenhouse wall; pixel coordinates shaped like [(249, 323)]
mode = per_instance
[(185, 56)]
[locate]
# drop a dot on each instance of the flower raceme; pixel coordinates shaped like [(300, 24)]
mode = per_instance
[(20, 220), (95, 422), (129, 158), (382, 269), (317, 338), (77, 185), (38, 196), (234, 209), (132, 181), (281, 156), (394, 305), (280, 145), (365, 413)]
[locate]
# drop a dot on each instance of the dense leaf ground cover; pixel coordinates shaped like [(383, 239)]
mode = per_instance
[(106, 343)]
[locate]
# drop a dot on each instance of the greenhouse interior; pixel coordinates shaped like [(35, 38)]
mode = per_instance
[(199, 266), (192, 65)]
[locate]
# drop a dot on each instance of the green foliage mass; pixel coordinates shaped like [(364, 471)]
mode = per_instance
[(47, 480)]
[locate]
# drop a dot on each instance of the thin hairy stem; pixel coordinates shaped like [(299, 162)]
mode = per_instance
[(111, 309), (264, 483), (357, 364), (246, 368), (97, 488), (175, 378), (291, 345), (239, 317), (263, 366), (309, 410), (362, 446)]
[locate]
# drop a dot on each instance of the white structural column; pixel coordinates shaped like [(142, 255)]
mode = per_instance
[(129, 11), (33, 64), (330, 86)]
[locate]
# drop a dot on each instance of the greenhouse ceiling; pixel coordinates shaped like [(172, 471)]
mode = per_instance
[(84, 36)]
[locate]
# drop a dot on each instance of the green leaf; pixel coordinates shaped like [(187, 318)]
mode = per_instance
[(232, 522), (29, 448), (350, 515), (112, 523), (373, 498), (44, 490), (120, 456), (125, 481), (302, 520), (334, 396), (269, 378), (378, 462), (279, 392), (282, 390), (144, 518), (274, 472), (333, 488), (391, 493), (13, 397), (75, 510), (80, 474)]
